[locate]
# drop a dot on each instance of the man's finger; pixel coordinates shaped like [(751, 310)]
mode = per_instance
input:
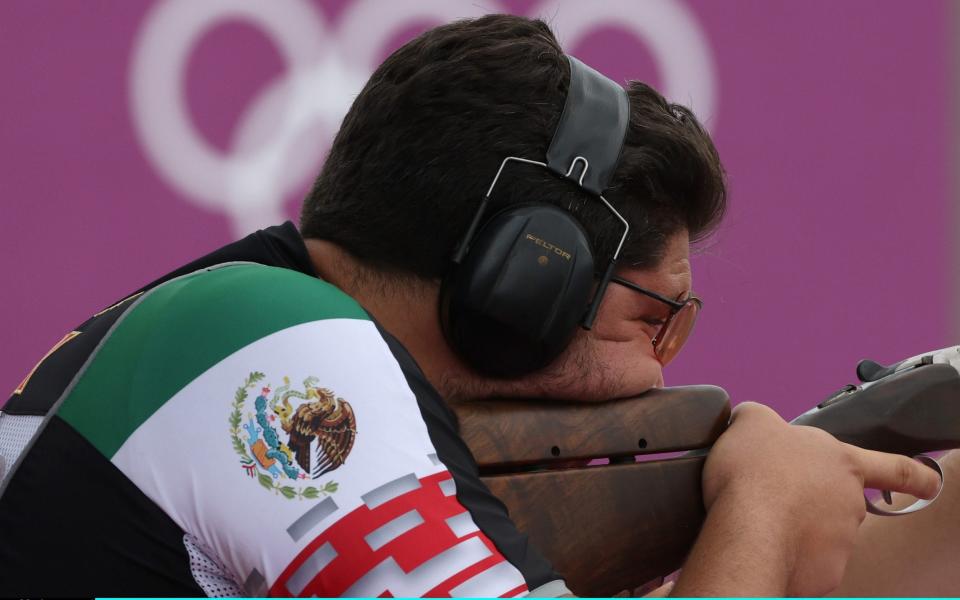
[(661, 592), (897, 473)]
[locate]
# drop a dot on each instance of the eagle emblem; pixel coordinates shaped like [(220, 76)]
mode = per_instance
[(316, 433)]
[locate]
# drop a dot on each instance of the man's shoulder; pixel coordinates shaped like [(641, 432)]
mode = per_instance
[(184, 328), (244, 289)]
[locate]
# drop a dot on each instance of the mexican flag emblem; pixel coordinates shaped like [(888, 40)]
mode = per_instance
[(287, 437)]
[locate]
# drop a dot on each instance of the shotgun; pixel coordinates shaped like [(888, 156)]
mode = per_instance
[(620, 524)]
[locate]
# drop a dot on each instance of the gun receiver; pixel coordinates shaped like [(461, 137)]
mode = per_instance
[(907, 412), (615, 527)]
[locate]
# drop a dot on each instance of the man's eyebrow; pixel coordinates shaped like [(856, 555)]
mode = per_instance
[(682, 289), (677, 292)]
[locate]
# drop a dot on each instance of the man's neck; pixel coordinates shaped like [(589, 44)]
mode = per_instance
[(406, 307)]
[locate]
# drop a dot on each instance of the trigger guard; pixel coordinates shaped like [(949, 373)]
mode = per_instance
[(919, 504)]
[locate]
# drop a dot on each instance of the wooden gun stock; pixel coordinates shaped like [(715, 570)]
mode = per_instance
[(615, 527), (605, 528)]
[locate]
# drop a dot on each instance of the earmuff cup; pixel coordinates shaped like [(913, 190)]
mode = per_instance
[(515, 301), (520, 282)]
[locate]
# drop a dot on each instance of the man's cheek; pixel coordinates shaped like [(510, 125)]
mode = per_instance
[(635, 369), (643, 380)]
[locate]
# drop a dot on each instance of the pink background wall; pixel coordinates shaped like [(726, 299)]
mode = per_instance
[(832, 119)]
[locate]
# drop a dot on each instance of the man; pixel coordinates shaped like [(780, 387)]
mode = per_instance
[(271, 418)]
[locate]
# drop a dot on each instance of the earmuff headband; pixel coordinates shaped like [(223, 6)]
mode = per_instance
[(592, 127)]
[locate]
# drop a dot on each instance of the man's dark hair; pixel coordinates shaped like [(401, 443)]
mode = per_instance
[(421, 144)]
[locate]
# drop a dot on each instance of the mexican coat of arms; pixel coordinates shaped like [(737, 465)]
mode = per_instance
[(316, 432)]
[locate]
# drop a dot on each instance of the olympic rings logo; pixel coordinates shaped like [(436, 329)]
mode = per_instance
[(274, 148)]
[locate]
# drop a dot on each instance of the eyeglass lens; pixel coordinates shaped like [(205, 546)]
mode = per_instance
[(676, 331)]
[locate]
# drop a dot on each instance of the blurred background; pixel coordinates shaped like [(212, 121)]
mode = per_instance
[(137, 135)]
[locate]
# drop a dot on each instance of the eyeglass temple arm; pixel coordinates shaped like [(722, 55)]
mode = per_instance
[(594, 307)]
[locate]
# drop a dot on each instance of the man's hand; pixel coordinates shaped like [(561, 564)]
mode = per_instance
[(912, 555), (783, 507)]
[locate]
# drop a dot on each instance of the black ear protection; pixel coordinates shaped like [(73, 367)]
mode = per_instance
[(520, 281)]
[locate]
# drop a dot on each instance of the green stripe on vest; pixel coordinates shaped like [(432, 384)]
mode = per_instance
[(182, 328)]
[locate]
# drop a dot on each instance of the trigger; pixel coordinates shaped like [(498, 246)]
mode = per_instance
[(919, 504)]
